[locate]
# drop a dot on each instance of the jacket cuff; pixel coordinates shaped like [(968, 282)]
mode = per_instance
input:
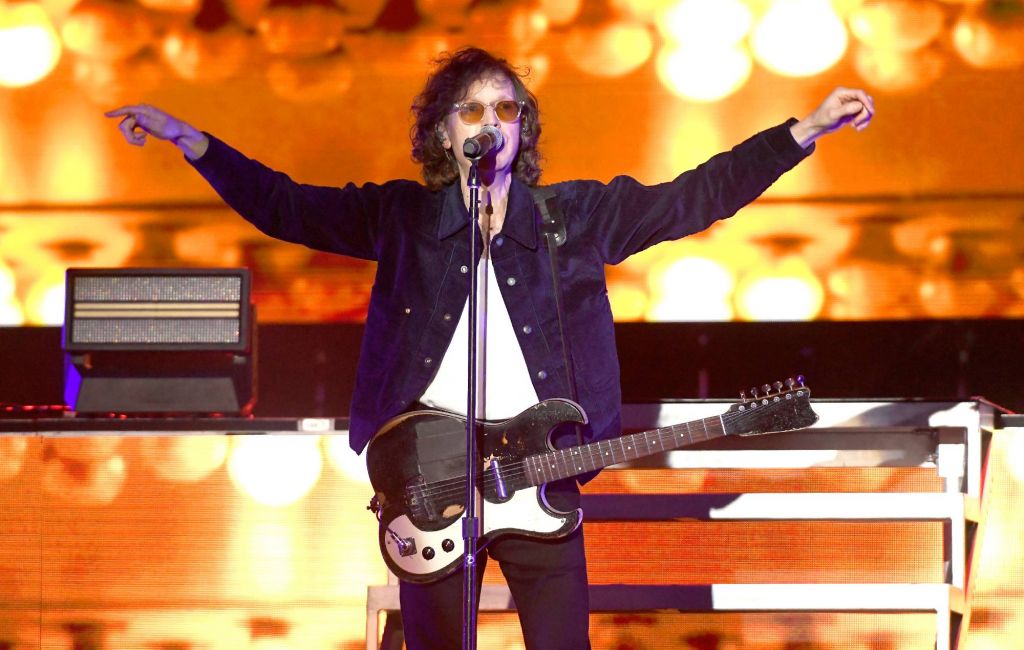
[(782, 142)]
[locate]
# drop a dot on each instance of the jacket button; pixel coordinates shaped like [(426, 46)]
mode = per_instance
[(500, 241), (464, 268), (428, 361), (447, 317), (527, 329), (408, 310), (542, 375), (511, 282)]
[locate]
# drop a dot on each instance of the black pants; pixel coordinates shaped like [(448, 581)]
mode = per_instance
[(548, 580)]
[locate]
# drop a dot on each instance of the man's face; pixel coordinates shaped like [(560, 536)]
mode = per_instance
[(488, 92)]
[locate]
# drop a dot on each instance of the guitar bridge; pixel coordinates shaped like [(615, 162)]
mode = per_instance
[(421, 506)]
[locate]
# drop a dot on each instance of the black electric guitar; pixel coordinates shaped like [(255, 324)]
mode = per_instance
[(417, 467)]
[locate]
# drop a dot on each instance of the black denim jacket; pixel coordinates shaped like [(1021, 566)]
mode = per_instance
[(418, 239)]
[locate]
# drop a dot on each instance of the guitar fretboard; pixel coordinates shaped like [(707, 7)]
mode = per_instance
[(563, 463)]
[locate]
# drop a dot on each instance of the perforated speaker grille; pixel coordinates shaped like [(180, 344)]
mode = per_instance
[(179, 288), (157, 309), (154, 330)]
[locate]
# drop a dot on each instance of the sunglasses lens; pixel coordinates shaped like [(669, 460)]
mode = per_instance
[(507, 111), (471, 112)]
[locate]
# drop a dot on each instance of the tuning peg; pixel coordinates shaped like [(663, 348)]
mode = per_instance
[(778, 386), (790, 383), (767, 389), (800, 380), (743, 396), (753, 392)]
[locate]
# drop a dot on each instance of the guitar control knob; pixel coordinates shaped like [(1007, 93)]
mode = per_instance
[(448, 545), (428, 553)]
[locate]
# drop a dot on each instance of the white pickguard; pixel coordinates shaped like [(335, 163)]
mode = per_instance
[(520, 513)]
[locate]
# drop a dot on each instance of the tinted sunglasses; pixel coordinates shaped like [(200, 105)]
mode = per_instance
[(506, 110)]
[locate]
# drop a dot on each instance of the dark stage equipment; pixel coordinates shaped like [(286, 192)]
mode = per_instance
[(161, 341)]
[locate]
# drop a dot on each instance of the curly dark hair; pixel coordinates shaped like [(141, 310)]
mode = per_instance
[(452, 76)]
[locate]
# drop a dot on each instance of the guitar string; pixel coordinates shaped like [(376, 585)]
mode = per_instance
[(450, 488)]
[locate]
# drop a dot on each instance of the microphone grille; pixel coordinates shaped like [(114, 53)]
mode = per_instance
[(499, 139)]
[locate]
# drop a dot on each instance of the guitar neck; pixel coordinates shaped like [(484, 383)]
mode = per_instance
[(563, 463)]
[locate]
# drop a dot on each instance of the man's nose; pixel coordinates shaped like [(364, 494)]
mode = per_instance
[(490, 117)]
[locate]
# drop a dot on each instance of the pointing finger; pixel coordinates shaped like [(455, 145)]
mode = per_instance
[(131, 109)]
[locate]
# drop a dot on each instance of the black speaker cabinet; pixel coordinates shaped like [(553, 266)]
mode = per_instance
[(159, 341)]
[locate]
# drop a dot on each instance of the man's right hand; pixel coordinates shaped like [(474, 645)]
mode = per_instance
[(141, 120)]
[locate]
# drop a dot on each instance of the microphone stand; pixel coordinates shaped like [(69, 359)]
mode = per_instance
[(471, 519)]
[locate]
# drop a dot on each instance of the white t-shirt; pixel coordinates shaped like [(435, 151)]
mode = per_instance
[(506, 389)]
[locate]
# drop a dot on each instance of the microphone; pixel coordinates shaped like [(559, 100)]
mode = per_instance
[(477, 147)]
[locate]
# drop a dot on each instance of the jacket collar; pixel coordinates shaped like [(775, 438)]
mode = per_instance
[(520, 220)]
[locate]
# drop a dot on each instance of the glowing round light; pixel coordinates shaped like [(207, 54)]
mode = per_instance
[(11, 312), (787, 290), (275, 470), (12, 455), (29, 45), (609, 50), (345, 461), (44, 304), (505, 23), (897, 24), (943, 296), (560, 12), (197, 55), (989, 43), (84, 483), (301, 30), (537, 66), (184, 458), (706, 23), (107, 30), (628, 302), (692, 289), (897, 71), (702, 76), (311, 79), (799, 38)]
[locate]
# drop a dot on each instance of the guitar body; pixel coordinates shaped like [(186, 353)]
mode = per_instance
[(417, 466)]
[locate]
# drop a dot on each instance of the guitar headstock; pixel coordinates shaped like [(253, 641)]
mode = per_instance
[(771, 408)]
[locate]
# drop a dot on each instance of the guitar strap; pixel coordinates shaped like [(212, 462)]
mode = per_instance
[(552, 226)]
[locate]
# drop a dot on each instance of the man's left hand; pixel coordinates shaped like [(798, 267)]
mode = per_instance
[(843, 106)]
